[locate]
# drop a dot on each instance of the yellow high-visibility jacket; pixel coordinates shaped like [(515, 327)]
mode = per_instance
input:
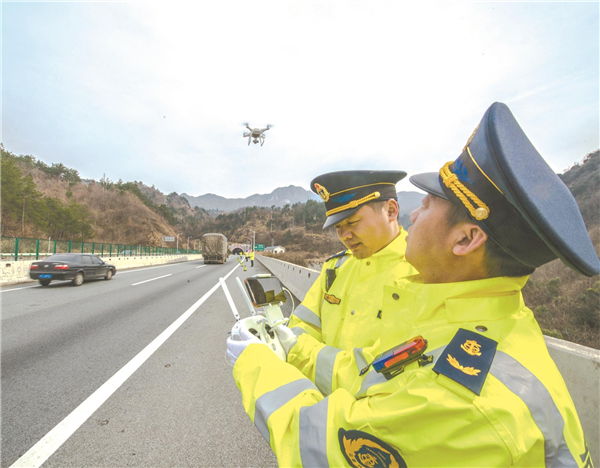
[(491, 397), (347, 314), (251, 255)]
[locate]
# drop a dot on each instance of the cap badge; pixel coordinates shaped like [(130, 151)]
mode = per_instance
[(322, 192), (471, 138)]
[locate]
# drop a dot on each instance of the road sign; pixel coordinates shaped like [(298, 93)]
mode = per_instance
[(259, 246), (169, 238)]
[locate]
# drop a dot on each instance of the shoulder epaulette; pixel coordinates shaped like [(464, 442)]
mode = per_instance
[(337, 255), (467, 359)]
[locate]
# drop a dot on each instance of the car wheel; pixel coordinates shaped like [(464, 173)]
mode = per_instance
[(78, 280), (109, 275), (45, 282)]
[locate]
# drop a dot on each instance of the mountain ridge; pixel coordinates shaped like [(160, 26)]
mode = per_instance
[(280, 197)]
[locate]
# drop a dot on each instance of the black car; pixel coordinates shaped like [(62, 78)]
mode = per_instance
[(71, 266)]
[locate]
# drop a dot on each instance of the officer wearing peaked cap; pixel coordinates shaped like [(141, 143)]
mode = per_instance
[(342, 308), (461, 375), (345, 192)]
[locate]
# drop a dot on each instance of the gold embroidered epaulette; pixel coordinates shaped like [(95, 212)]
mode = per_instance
[(467, 359)]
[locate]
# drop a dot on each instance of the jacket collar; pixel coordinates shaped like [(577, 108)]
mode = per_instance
[(465, 301), (394, 250)]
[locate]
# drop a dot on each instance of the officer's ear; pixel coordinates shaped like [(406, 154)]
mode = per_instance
[(392, 209), (468, 237)]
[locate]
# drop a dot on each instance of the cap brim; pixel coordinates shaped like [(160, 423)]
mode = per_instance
[(338, 217), (429, 182)]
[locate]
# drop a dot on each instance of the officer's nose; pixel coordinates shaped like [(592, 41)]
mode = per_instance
[(344, 233), (414, 214)]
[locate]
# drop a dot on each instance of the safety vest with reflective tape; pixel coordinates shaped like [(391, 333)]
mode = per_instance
[(347, 314), (522, 415)]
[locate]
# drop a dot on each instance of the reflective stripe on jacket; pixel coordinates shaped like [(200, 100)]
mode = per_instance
[(523, 415)]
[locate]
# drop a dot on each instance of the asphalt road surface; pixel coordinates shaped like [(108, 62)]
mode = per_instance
[(127, 372)]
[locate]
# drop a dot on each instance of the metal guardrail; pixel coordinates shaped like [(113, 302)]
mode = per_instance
[(17, 248)]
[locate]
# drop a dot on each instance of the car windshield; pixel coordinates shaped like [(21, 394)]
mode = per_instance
[(62, 258)]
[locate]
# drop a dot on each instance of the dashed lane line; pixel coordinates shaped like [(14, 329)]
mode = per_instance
[(153, 279), (52, 441)]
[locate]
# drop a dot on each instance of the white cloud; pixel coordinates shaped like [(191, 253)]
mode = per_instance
[(159, 91)]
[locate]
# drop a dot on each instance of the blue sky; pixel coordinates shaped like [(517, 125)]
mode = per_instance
[(158, 91)]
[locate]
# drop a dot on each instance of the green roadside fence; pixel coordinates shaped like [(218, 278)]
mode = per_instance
[(19, 248)]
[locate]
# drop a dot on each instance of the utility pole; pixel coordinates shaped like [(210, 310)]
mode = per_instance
[(177, 248), (188, 242), (253, 238), (271, 226)]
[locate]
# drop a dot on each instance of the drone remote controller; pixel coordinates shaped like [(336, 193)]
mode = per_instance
[(260, 326)]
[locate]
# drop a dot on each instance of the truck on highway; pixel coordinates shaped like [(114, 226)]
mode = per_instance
[(214, 248)]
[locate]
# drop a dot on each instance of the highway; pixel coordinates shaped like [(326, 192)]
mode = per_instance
[(127, 372)]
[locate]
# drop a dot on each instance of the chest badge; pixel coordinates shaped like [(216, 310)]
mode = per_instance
[(332, 299)]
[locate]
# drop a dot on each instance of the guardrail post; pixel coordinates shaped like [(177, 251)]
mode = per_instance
[(54, 246), (110, 250), (69, 246), (93, 247), (37, 250), (16, 249), (102, 250), (82, 247)]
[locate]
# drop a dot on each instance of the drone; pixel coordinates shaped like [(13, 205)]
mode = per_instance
[(256, 134)]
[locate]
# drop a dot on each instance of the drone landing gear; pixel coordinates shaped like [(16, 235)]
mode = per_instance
[(249, 141), (262, 141)]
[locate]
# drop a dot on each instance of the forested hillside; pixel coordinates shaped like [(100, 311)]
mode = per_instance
[(41, 201)]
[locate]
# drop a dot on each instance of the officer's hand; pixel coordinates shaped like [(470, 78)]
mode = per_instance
[(236, 347), (286, 337)]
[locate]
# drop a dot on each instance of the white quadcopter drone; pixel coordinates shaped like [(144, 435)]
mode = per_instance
[(256, 134)]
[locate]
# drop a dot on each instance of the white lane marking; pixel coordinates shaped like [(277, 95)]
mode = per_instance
[(17, 289), (201, 266), (52, 441), (142, 282)]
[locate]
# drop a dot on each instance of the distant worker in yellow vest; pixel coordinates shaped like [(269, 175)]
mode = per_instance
[(461, 376), (251, 255)]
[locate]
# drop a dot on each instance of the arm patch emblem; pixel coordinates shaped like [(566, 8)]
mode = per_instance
[(364, 450), (467, 359)]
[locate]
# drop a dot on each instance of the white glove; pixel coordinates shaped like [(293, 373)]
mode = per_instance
[(235, 347), (286, 337)]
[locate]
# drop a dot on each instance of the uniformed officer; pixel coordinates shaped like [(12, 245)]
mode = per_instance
[(341, 310), (251, 258), (469, 381)]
